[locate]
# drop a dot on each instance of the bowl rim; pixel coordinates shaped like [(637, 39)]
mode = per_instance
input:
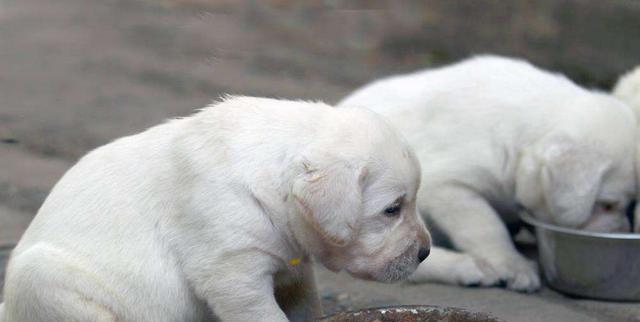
[(526, 217)]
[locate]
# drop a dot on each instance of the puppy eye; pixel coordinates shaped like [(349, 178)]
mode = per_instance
[(394, 209), (608, 206)]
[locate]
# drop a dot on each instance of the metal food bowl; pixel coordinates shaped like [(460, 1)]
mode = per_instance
[(589, 264), (410, 314)]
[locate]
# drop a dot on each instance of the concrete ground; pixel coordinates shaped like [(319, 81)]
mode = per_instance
[(74, 74)]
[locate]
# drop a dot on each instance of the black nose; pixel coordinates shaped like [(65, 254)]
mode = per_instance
[(423, 254)]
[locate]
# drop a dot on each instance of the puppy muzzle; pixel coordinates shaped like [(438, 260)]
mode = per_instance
[(402, 266)]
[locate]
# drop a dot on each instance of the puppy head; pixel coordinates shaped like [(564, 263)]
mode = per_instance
[(354, 201), (627, 89), (576, 184)]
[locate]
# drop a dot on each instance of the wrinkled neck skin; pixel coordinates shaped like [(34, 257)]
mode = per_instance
[(309, 240), (336, 258)]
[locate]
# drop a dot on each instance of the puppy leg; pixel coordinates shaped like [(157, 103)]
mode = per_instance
[(47, 285), (238, 288), (451, 267), (474, 227), (299, 299)]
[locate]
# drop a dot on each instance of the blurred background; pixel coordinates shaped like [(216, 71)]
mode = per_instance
[(75, 74)]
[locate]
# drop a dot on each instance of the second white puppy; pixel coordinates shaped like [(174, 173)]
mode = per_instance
[(219, 213), (628, 90), (494, 134)]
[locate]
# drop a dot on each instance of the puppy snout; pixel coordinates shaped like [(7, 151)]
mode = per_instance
[(423, 253)]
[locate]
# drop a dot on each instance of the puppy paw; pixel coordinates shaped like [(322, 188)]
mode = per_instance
[(470, 271), (525, 277), (455, 268), (519, 274)]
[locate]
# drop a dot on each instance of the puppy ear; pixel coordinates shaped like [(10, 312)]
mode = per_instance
[(569, 178), (627, 89), (528, 188), (330, 199), (636, 218)]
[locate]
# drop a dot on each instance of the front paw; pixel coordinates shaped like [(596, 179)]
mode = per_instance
[(518, 273), (454, 268), (470, 271)]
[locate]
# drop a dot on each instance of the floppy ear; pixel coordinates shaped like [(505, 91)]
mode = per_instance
[(528, 189), (627, 89), (636, 218), (330, 199), (565, 176), (571, 181)]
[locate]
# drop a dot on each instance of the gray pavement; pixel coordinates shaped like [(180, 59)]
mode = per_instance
[(544, 306), (75, 74)]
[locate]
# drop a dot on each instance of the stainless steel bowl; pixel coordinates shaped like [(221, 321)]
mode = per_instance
[(589, 264)]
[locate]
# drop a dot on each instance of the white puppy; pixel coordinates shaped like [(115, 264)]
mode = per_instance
[(628, 90), (220, 212), (496, 134)]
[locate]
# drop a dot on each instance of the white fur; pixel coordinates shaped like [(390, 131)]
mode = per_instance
[(220, 212), (628, 90), (494, 133)]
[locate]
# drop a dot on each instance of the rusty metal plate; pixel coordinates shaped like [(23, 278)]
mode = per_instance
[(411, 314)]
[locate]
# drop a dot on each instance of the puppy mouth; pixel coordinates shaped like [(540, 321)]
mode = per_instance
[(399, 268)]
